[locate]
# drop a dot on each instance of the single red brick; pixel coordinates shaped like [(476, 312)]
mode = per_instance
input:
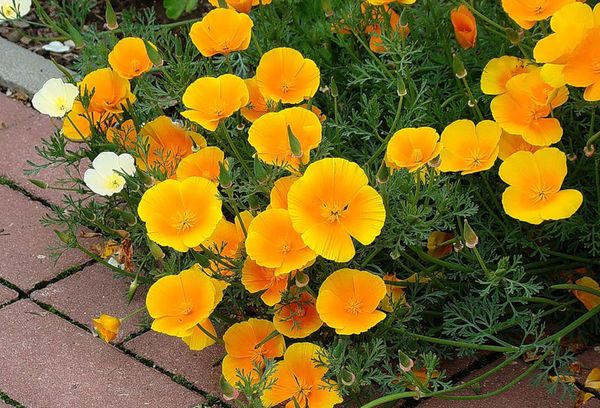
[(91, 292), (13, 112), (7, 295), (48, 362), (523, 395), (25, 242), (173, 355)]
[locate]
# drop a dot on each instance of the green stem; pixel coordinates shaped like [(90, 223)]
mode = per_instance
[(487, 272), (577, 287), (133, 313), (440, 262), (462, 344), (472, 99), (270, 336), (236, 152), (383, 145), (209, 334), (362, 42)]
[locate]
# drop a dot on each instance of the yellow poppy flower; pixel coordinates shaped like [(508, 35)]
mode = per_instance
[(109, 91), (283, 74), (348, 301), (333, 203), (269, 135), (299, 378), (510, 144), (257, 106), (222, 31), (241, 6), (382, 2), (177, 303), (527, 12), (256, 278), (280, 190), (298, 318), (204, 163), (273, 243), (498, 71), (243, 353), (198, 340), (210, 100), (534, 180), (394, 294), (78, 123), (582, 68), (107, 327), (412, 148), (129, 57), (469, 148), (181, 214)]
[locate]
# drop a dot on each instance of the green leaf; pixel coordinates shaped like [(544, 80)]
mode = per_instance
[(175, 8)]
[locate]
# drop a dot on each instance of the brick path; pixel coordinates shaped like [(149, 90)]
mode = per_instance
[(49, 357)]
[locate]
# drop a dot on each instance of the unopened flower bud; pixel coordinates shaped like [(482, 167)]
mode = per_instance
[(589, 150), (347, 377), (571, 157), (435, 162), (401, 87), (126, 216), (66, 237), (88, 214), (155, 250), (327, 9), (458, 67), (133, 287), (229, 392), (383, 174), (395, 254), (260, 172), (153, 54), (240, 127), (111, 17), (225, 176), (334, 89), (471, 239), (405, 362), (295, 145), (302, 279), (254, 203), (39, 183), (514, 36)]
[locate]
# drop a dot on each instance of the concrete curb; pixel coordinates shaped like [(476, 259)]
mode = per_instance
[(23, 70)]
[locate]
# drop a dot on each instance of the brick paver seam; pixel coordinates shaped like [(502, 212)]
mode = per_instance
[(8, 400)]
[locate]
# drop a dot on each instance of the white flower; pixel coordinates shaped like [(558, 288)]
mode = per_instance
[(55, 98), (13, 9), (104, 178), (57, 47)]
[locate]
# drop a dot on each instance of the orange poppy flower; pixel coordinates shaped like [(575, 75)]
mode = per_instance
[(299, 318), (177, 303), (524, 109), (125, 135), (210, 100), (465, 26), (222, 31), (332, 203), (129, 57), (109, 92), (78, 123), (316, 111), (272, 242), (224, 241), (181, 214), (412, 148), (280, 190), (269, 135), (283, 74), (382, 2), (582, 68), (241, 341), (527, 12), (435, 241), (589, 300), (299, 378), (469, 148), (256, 278), (394, 294), (534, 180), (348, 301), (379, 14), (241, 6), (203, 163), (258, 105), (498, 71), (198, 340), (510, 144), (107, 327)]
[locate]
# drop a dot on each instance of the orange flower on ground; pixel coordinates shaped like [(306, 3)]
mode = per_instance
[(204, 163), (412, 148), (222, 31), (210, 100), (129, 57), (257, 105), (242, 6), (299, 378), (524, 109), (348, 301), (591, 382), (269, 135), (241, 341), (108, 91), (177, 303), (469, 148), (534, 180), (78, 123), (198, 340), (510, 144), (527, 12), (279, 192), (498, 71), (283, 74), (256, 278), (394, 294), (333, 203), (272, 242), (107, 327), (181, 214), (465, 26), (299, 318), (435, 243), (589, 300), (168, 143)]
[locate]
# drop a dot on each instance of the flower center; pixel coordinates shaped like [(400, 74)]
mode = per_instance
[(61, 104), (333, 212), (302, 392), (417, 155), (185, 221), (353, 306), (285, 88), (114, 182), (286, 246), (8, 11)]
